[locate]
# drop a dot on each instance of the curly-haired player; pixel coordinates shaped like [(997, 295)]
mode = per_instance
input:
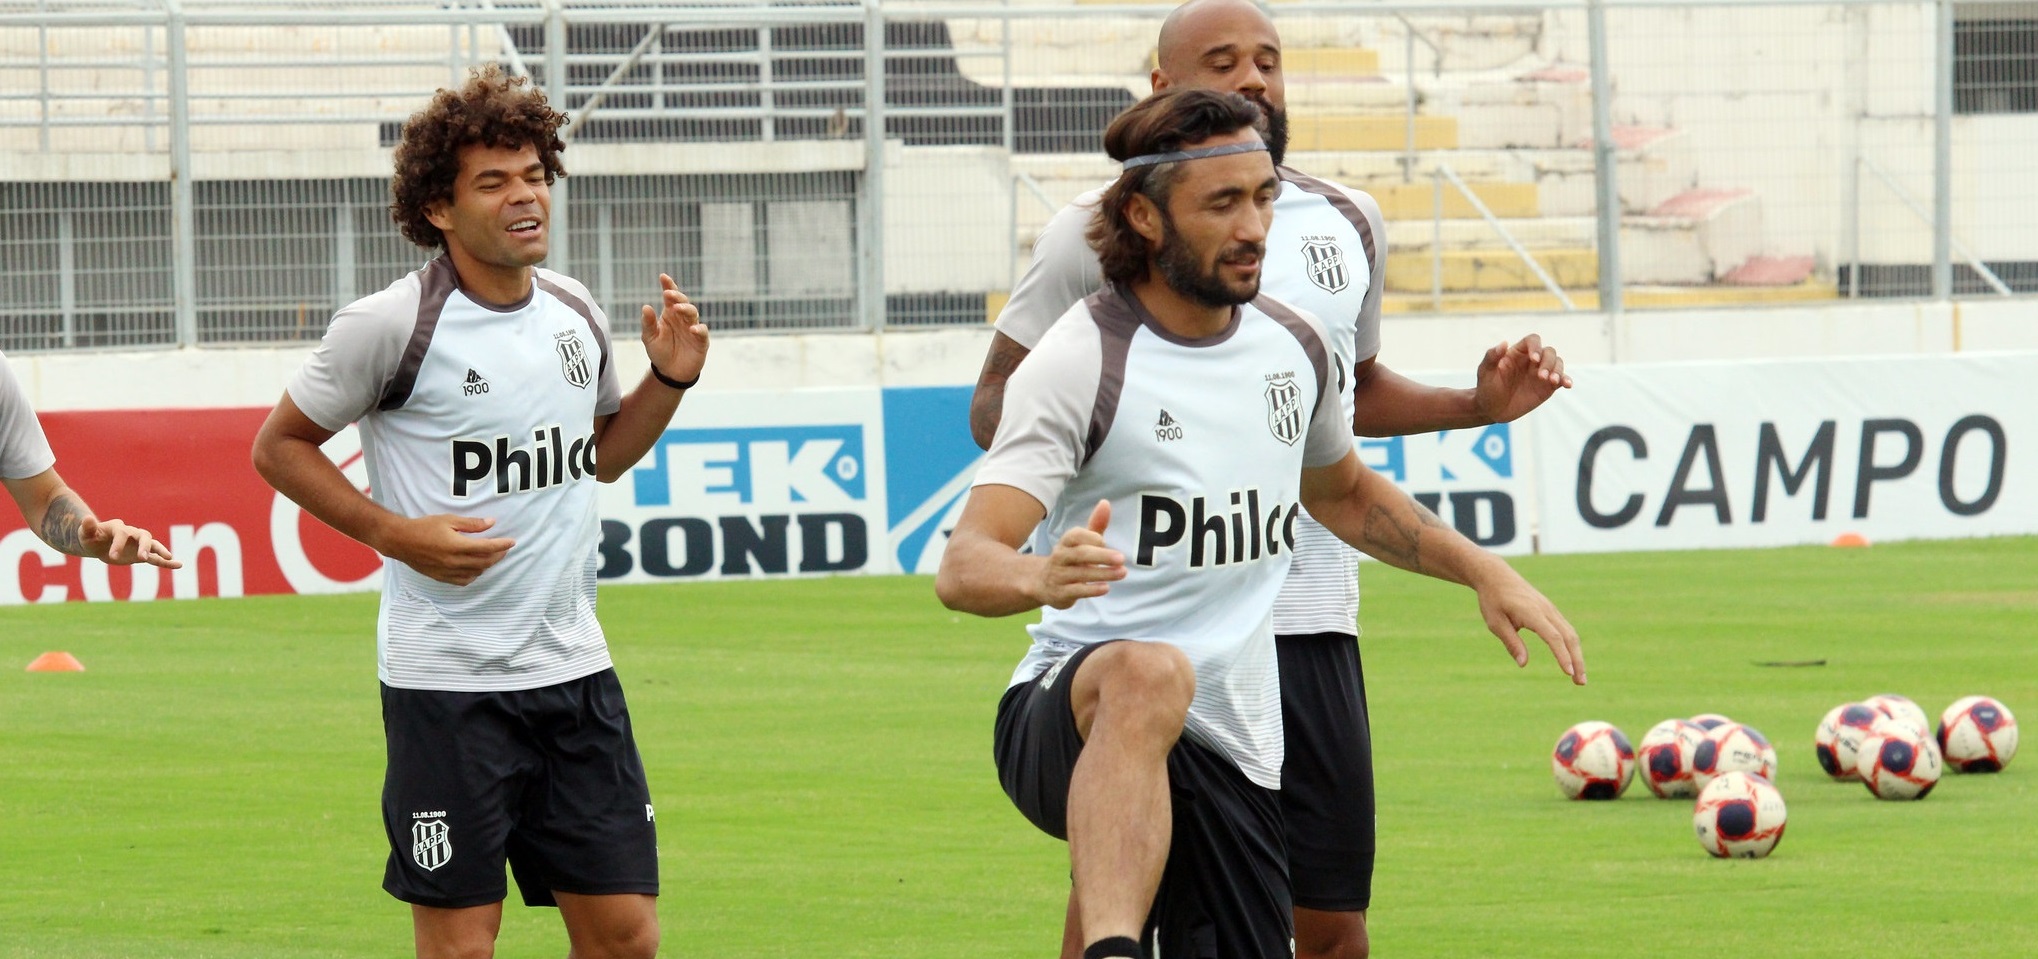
[(489, 406)]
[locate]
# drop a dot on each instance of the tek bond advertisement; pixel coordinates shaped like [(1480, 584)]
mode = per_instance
[(868, 480), (808, 481)]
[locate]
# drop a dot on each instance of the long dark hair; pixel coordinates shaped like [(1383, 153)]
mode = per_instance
[(1162, 123)]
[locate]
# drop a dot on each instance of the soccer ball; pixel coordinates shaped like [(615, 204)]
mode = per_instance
[(1739, 815), (1732, 747), (1664, 758), (1593, 761), (1840, 734), (1898, 764), (1710, 721), (1977, 735), (1902, 711), (1683, 729)]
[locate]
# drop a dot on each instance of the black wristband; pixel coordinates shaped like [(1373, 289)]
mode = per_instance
[(675, 384)]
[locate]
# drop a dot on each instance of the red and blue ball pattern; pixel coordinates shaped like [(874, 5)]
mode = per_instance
[(1739, 815), (1898, 764), (1593, 760), (1977, 734)]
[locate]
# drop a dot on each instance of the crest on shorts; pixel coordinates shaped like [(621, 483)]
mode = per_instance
[(431, 843), (573, 359), (1284, 408), (1053, 672), (1325, 261)]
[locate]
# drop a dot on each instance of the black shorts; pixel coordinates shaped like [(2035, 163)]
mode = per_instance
[(1224, 892), (548, 778), (1327, 778)]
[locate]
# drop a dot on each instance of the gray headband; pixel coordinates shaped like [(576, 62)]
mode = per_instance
[(1197, 154)]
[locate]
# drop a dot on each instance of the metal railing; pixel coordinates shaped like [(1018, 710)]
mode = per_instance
[(862, 165), (1917, 210), (1444, 174)]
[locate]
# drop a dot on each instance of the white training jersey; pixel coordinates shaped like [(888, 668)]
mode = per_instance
[(477, 409), (24, 450), (1324, 256), (1199, 445)]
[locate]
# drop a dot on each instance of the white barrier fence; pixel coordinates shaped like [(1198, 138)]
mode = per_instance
[(870, 479), (1709, 455)]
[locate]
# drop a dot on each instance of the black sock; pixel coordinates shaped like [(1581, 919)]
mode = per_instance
[(1116, 946)]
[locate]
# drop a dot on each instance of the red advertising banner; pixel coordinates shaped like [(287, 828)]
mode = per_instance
[(185, 476)]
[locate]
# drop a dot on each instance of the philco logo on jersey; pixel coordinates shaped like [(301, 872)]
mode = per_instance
[(549, 461), (573, 358), (1240, 534), (1284, 407), (1325, 260)]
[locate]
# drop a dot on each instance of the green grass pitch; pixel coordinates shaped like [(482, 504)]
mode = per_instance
[(820, 756)]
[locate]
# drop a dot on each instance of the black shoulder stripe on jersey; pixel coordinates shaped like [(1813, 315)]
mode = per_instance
[(586, 313), (1116, 320), (436, 282), (1311, 340), (1343, 204)]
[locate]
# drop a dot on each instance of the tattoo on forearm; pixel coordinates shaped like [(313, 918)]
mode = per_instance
[(63, 524), (1396, 534), (1003, 362), (987, 406)]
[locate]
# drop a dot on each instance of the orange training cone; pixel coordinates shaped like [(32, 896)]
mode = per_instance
[(56, 662), (1850, 539)]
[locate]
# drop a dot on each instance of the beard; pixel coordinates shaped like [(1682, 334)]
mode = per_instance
[(1273, 127), (1179, 269)]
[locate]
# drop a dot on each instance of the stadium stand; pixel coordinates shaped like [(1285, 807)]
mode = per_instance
[(1511, 125), (299, 118)]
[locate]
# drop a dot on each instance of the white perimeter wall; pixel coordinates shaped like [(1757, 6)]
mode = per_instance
[(210, 378)]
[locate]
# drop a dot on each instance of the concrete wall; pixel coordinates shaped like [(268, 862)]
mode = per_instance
[(256, 377), (948, 219)]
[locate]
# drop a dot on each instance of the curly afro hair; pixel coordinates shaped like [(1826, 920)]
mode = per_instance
[(491, 109)]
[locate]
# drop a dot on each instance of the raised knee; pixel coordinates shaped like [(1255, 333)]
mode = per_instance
[(1152, 674)]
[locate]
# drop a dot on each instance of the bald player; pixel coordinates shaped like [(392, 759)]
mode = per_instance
[(1325, 253)]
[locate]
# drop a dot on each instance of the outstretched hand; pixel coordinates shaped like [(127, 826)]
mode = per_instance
[(118, 544), (1081, 566), (1510, 605), (1517, 378), (674, 336)]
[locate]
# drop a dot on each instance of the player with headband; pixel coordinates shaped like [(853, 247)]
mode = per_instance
[(1144, 725), (1326, 253)]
